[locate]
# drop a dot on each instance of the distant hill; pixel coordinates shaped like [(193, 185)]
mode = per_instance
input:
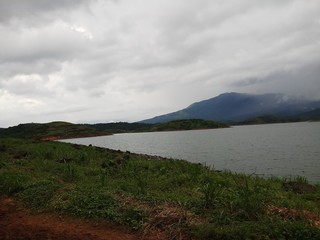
[(189, 124), (311, 115), (62, 130), (307, 116), (268, 119), (49, 131), (118, 127), (235, 107)]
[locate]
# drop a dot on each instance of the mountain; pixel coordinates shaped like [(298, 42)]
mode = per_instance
[(234, 107)]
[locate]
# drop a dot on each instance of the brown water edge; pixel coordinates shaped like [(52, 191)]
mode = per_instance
[(53, 138)]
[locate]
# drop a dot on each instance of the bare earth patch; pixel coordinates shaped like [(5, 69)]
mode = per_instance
[(171, 222), (294, 214), (17, 223)]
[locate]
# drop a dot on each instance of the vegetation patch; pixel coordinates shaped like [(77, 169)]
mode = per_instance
[(172, 221), (184, 124), (172, 199), (38, 195), (12, 182)]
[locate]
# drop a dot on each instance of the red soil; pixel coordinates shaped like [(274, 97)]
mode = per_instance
[(17, 223), (52, 138)]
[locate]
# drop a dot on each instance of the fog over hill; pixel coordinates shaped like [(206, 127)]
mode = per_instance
[(231, 107)]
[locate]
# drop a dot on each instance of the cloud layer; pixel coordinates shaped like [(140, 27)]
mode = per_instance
[(98, 61)]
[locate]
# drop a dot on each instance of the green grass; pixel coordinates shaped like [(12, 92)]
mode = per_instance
[(151, 194)]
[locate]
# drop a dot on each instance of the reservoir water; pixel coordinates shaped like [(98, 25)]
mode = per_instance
[(282, 150)]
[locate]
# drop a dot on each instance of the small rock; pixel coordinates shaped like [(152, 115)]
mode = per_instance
[(3, 148), (66, 160), (299, 187), (20, 155)]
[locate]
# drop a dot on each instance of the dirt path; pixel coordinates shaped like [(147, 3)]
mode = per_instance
[(16, 223)]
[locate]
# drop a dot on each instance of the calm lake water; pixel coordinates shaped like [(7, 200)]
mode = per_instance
[(284, 150)]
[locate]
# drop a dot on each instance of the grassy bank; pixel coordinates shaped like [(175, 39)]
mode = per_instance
[(155, 195)]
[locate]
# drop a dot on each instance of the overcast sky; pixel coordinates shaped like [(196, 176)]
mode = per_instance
[(128, 60)]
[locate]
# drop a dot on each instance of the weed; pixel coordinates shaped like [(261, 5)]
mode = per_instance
[(12, 182), (3, 162), (103, 177), (39, 194), (137, 176), (250, 198), (300, 179), (70, 172), (86, 202), (194, 171), (211, 191)]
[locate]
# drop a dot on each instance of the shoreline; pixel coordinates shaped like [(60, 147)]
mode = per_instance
[(54, 138)]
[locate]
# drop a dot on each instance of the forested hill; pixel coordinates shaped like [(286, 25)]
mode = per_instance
[(49, 131), (265, 119), (61, 130), (186, 124), (118, 127)]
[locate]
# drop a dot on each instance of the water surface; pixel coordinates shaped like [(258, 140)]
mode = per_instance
[(283, 150)]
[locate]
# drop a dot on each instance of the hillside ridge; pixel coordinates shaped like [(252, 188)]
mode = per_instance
[(235, 107)]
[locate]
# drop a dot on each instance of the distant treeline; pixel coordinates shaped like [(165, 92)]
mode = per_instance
[(117, 127), (59, 130), (185, 124), (265, 119), (44, 130)]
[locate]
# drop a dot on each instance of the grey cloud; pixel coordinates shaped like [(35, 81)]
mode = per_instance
[(65, 110), (301, 81), (35, 11), (43, 67), (54, 41), (31, 85), (135, 57), (37, 51)]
